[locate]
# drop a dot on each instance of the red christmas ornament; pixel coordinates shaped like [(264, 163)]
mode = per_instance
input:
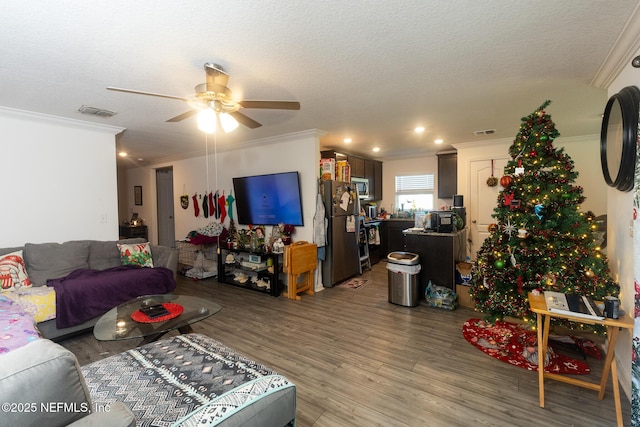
[(508, 198), (533, 153), (506, 181)]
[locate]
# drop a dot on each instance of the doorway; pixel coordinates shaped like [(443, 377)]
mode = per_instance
[(164, 194), (483, 199)]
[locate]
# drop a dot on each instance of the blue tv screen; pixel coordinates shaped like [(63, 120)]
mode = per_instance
[(269, 199)]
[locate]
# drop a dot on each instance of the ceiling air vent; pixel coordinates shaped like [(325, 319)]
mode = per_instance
[(85, 109), (484, 132)]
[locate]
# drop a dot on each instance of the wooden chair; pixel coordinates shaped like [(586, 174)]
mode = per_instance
[(300, 258)]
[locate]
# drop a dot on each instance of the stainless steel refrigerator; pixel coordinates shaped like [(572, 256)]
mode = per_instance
[(342, 259)]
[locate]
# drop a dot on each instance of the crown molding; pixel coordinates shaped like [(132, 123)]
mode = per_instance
[(483, 144), (288, 137), (620, 55), (13, 113)]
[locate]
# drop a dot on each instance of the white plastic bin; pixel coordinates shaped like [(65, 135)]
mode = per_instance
[(403, 269)]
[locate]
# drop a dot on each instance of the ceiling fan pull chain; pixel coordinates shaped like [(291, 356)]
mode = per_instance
[(206, 157), (215, 156)]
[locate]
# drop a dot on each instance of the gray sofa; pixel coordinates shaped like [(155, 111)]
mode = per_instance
[(183, 381), (41, 385), (54, 260)]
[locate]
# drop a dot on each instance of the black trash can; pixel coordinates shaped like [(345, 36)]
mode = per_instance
[(403, 269)]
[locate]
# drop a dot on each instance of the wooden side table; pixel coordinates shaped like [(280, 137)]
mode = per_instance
[(132, 231), (538, 305), (300, 258)]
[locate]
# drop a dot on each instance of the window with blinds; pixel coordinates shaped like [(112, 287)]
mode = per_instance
[(414, 192)]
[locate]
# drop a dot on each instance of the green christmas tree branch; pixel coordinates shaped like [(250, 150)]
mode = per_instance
[(541, 239)]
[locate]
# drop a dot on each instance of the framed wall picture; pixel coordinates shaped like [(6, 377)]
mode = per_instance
[(137, 195)]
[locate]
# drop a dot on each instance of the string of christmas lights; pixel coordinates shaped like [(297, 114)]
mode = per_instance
[(541, 239)]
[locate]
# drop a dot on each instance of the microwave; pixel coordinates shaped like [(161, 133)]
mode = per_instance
[(362, 184)]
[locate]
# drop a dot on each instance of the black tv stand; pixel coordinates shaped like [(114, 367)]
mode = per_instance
[(256, 275)]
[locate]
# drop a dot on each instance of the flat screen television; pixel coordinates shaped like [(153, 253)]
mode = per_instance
[(269, 199)]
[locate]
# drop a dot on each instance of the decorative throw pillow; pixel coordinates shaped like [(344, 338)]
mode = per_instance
[(13, 274), (136, 254)]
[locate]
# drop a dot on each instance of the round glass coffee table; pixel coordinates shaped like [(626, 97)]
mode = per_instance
[(118, 324)]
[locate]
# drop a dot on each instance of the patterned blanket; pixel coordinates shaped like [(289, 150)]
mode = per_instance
[(164, 381)]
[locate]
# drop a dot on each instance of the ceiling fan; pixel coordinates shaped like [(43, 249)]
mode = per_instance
[(213, 99)]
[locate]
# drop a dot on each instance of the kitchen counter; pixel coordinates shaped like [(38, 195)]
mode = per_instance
[(439, 254), (423, 232)]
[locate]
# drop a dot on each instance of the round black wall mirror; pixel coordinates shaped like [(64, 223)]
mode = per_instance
[(619, 137)]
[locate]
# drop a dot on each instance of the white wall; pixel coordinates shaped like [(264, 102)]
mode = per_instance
[(621, 251), (59, 177), (393, 168), (293, 152), (412, 166), (584, 151)]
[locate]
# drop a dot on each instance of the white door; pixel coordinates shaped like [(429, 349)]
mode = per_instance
[(166, 222), (483, 199)]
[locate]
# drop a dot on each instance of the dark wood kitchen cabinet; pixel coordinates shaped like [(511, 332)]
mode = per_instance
[(361, 167), (357, 166), (447, 175), (377, 180)]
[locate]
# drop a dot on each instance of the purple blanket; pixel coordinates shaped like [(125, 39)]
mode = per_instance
[(85, 294)]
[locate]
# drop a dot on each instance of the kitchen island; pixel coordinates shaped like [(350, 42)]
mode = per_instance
[(439, 254)]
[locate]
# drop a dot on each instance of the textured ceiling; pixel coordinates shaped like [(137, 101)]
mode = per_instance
[(371, 71)]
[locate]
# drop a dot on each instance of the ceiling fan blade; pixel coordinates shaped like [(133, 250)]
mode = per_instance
[(183, 116), (139, 92), (248, 122), (274, 105)]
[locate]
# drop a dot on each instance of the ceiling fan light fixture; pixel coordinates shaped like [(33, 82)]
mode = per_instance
[(207, 120), (228, 122)]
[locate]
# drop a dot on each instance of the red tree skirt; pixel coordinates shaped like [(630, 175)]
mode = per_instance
[(510, 343)]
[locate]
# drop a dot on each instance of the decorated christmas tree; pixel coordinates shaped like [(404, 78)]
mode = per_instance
[(541, 239)]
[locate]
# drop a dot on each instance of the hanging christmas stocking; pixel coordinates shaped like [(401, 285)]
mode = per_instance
[(196, 208), (230, 200), (205, 206), (215, 203), (221, 207), (212, 208)]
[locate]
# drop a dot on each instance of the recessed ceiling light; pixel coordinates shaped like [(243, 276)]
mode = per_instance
[(438, 141), (419, 129), (122, 154), (348, 140), (376, 149)]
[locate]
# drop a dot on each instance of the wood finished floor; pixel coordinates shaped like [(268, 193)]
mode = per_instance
[(358, 360)]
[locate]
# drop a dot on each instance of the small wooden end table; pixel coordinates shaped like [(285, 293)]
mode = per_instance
[(538, 305)]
